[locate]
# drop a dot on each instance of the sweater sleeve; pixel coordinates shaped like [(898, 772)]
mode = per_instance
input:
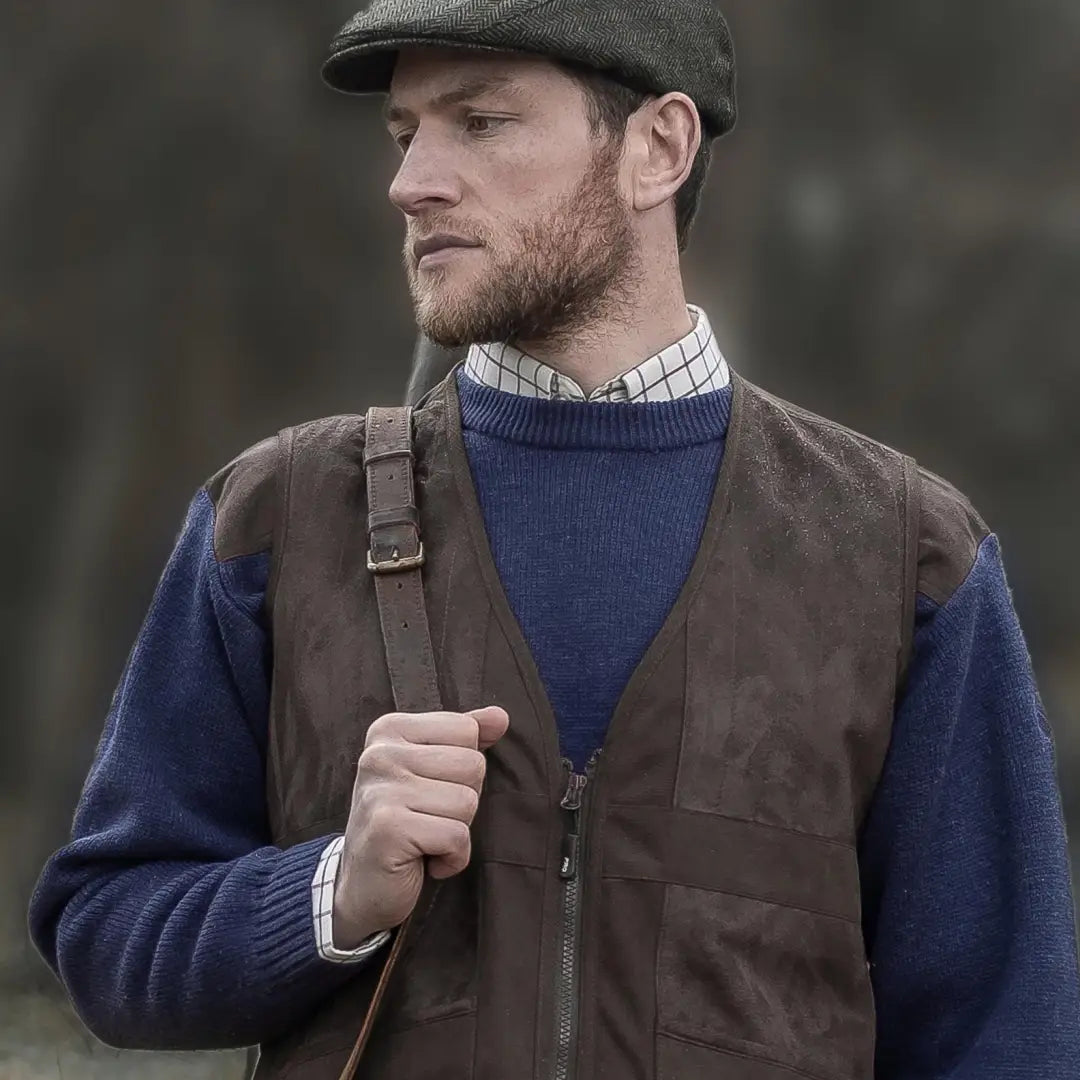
[(169, 917), (967, 902)]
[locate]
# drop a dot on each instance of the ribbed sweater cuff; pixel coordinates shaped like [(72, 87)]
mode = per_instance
[(283, 937)]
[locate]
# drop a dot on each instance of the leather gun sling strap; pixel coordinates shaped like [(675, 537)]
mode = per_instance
[(395, 556)]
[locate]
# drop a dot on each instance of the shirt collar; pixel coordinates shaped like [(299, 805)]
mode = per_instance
[(694, 365)]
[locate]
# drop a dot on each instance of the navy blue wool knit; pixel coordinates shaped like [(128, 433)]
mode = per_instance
[(594, 512), (174, 923)]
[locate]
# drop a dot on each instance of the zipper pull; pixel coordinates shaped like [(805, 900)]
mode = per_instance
[(569, 856), (571, 802), (575, 785)]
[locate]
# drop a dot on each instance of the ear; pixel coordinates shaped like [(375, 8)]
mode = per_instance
[(666, 136)]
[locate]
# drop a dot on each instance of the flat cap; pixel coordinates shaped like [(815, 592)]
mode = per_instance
[(652, 45)]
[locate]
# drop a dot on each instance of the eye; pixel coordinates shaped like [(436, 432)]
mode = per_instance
[(479, 124), (403, 140)]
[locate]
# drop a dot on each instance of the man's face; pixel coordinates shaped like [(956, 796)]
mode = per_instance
[(498, 153)]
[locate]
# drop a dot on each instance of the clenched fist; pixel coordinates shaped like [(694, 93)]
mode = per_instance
[(417, 788)]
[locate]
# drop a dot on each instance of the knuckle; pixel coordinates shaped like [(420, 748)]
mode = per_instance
[(376, 729), (384, 727), (366, 800), (383, 820), (368, 761), (378, 759)]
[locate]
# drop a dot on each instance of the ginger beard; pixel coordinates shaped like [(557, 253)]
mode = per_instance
[(544, 279)]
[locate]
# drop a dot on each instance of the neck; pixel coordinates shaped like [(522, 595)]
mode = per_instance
[(655, 318)]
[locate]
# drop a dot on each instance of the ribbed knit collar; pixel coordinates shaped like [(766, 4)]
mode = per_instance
[(578, 425)]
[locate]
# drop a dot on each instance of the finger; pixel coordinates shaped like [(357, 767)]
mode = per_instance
[(455, 764), (442, 799), (439, 867), (434, 728), (493, 721), (446, 841)]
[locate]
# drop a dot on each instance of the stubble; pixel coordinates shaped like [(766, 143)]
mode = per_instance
[(569, 268)]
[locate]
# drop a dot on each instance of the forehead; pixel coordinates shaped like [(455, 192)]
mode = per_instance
[(429, 77)]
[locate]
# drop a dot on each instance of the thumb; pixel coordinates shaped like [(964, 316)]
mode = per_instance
[(493, 720)]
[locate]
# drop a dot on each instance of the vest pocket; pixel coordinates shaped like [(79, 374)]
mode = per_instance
[(439, 1051), (424, 1029), (762, 982), (437, 975)]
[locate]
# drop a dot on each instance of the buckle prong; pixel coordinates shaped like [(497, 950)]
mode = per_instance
[(396, 562)]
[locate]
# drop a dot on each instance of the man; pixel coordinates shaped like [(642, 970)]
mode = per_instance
[(741, 769)]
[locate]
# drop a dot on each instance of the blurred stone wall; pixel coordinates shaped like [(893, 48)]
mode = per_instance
[(197, 249)]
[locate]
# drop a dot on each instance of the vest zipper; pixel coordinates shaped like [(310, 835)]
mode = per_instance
[(571, 856)]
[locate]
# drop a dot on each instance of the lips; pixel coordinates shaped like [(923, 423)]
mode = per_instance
[(438, 242)]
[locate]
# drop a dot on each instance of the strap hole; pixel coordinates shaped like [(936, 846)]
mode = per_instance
[(404, 626)]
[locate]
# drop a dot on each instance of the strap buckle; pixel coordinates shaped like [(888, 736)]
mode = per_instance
[(396, 562)]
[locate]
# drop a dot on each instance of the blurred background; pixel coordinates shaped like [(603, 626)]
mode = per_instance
[(197, 249)]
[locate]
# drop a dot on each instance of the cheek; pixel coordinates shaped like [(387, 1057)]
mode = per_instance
[(531, 167), (521, 189)]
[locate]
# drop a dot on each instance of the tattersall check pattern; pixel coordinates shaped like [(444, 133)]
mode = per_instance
[(693, 365), (322, 909)]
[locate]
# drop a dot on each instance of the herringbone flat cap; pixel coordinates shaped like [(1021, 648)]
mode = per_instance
[(652, 45)]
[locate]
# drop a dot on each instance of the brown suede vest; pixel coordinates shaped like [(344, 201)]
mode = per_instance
[(717, 928)]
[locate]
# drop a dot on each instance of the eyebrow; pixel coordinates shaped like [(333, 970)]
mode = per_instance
[(465, 91)]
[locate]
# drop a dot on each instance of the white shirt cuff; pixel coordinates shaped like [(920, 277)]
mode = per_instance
[(322, 910)]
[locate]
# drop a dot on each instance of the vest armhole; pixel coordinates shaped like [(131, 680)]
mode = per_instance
[(286, 443), (912, 524)]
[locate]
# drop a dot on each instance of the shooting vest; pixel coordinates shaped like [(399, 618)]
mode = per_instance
[(691, 910)]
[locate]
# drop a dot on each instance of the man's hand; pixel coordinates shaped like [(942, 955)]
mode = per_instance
[(417, 788)]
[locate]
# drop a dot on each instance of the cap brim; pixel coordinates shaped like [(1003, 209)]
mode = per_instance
[(368, 68)]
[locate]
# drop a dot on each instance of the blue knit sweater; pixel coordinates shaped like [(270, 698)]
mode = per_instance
[(174, 923)]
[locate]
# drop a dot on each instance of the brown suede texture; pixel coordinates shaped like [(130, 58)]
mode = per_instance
[(721, 917), (949, 538), (245, 498)]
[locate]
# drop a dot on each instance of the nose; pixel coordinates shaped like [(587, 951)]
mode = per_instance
[(426, 179)]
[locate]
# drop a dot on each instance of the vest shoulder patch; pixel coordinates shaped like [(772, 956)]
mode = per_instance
[(244, 494), (950, 532)]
